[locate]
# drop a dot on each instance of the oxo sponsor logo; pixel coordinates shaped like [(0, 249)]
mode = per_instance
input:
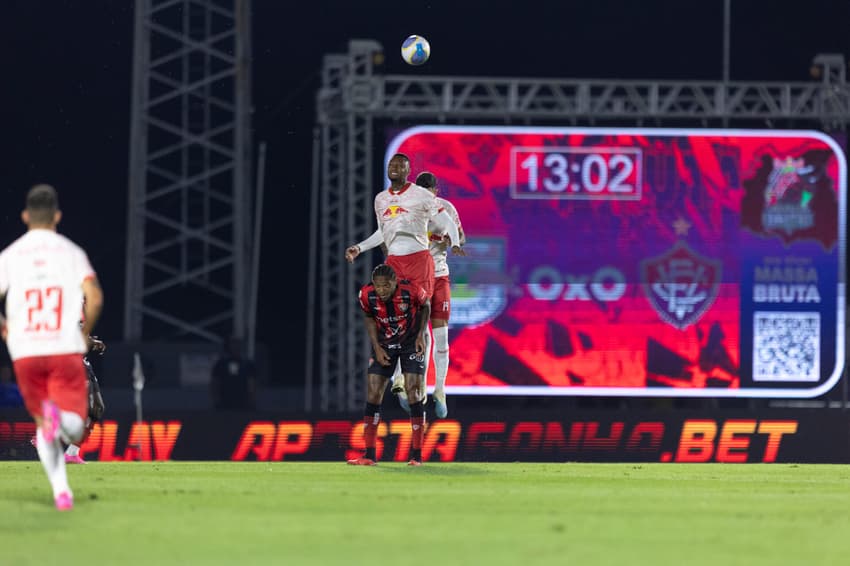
[(546, 283)]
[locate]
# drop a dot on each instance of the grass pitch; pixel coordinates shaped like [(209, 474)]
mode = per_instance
[(439, 514)]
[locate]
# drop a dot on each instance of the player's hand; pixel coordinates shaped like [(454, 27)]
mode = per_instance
[(351, 252), (97, 407), (381, 357), (457, 250), (96, 346), (420, 345)]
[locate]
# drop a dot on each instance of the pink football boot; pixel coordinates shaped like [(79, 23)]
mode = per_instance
[(64, 501)]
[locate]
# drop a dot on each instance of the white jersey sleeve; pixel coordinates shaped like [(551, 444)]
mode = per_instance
[(438, 245), (42, 273)]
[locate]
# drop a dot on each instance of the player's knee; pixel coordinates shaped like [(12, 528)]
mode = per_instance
[(416, 391), (72, 425)]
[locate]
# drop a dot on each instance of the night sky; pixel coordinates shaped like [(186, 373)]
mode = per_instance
[(66, 77)]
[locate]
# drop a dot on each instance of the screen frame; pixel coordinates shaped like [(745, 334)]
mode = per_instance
[(784, 393)]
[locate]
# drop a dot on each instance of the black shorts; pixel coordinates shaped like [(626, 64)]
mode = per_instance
[(411, 362)]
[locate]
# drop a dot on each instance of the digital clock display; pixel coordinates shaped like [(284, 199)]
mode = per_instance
[(642, 262), (601, 173)]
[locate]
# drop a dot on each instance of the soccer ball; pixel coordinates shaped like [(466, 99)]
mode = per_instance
[(415, 50)]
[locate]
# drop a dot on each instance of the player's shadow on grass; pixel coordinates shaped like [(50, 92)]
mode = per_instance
[(41, 498), (439, 469)]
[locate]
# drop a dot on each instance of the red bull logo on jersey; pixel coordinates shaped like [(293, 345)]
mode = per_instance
[(394, 210)]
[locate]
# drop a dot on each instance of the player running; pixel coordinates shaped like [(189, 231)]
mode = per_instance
[(396, 314), (45, 277)]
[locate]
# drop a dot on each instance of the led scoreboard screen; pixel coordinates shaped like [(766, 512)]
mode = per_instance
[(631, 262)]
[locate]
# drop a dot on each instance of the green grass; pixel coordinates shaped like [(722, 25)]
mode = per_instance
[(493, 514)]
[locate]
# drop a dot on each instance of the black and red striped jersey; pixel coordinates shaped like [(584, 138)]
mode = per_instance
[(396, 317)]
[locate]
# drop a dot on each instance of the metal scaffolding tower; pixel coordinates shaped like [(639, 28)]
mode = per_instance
[(188, 267), (344, 199), (352, 96)]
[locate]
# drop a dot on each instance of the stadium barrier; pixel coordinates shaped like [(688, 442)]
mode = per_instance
[(798, 436)]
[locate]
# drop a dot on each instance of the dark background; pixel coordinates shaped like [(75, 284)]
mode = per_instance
[(66, 76)]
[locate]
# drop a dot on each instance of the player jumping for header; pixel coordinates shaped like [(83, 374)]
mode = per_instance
[(404, 212)]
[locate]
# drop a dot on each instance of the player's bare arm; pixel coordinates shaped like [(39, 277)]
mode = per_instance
[(372, 330), (374, 240), (98, 406), (423, 327), (92, 306)]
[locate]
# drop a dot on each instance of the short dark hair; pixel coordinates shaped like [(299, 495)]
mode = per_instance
[(402, 156), (426, 179), (383, 270), (42, 204)]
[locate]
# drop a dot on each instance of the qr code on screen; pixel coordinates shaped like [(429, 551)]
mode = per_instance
[(786, 346)]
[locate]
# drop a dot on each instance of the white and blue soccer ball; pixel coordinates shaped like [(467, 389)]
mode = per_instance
[(415, 50)]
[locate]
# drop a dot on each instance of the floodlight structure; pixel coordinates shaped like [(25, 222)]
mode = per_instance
[(188, 270)]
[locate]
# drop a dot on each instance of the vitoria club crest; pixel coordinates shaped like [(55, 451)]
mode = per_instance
[(680, 284)]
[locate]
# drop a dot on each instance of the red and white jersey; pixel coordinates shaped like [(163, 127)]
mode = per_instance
[(41, 274), (439, 246), (407, 211), (396, 318)]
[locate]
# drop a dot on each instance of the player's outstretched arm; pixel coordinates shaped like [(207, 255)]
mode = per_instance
[(373, 241)]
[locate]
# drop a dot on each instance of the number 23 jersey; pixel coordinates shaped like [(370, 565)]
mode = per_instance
[(41, 274)]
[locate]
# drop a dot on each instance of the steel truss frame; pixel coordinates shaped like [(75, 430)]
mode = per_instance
[(353, 96), (188, 268)]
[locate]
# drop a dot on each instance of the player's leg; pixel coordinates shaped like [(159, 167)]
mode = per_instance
[(72, 453), (414, 382), (419, 269), (376, 383), (67, 405), (397, 383), (403, 270), (440, 312), (67, 389), (32, 375), (95, 413)]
